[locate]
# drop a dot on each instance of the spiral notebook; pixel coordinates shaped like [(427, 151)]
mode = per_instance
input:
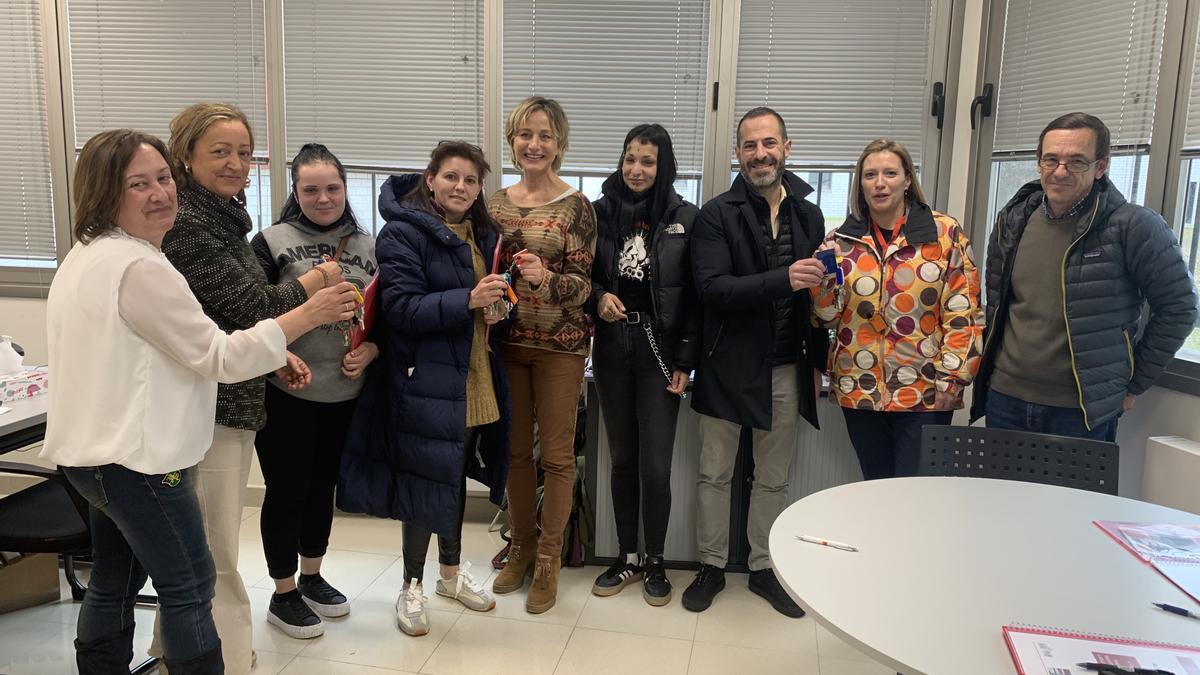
[(1038, 650), (1173, 550)]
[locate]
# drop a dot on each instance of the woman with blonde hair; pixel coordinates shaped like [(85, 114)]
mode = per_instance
[(906, 315), (549, 231), (211, 147)]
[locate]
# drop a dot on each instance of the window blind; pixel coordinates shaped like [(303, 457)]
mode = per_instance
[(381, 83), (1074, 55), (1191, 137), (840, 73), (27, 223), (612, 66), (136, 64)]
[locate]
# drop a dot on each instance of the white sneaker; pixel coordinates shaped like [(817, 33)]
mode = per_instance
[(410, 610), (465, 589)]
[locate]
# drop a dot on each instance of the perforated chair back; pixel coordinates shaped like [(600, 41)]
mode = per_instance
[(980, 452)]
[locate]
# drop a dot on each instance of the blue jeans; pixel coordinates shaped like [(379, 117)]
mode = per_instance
[(145, 525), (1007, 412), (888, 444)]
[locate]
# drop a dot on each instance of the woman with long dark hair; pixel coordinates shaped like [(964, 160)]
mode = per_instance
[(438, 412), (647, 315), (300, 459)]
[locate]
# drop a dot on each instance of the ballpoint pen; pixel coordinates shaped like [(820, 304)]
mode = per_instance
[(1176, 610), (826, 542), (1118, 670)]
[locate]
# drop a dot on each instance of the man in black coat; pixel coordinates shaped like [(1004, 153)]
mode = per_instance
[(761, 357), (1070, 265)]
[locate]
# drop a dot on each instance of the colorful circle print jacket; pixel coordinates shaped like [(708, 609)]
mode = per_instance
[(907, 322)]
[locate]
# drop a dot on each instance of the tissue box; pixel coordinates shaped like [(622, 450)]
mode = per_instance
[(27, 384)]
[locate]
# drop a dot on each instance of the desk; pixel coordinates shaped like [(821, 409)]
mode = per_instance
[(24, 425), (945, 562)]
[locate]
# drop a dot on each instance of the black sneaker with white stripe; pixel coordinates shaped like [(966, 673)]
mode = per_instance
[(619, 575), (323, 598)]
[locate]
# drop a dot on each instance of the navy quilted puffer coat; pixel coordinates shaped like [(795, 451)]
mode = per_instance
[(405, 453), (1123, 257)]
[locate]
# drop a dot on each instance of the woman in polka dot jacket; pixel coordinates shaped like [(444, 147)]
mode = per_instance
[(907, 319)]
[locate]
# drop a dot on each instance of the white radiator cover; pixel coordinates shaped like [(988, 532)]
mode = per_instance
[(1172, 473)]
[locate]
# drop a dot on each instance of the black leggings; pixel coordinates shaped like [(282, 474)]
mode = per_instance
[(416, 539), (300, 451), (639, 416)]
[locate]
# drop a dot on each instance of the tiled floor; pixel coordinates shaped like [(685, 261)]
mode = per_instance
[(581, 634)]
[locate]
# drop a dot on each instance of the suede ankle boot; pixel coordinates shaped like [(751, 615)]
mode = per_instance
[(545, 584), (521, 557)]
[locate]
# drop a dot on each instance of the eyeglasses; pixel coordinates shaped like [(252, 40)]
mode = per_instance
[(1076, 165), (469, 145)]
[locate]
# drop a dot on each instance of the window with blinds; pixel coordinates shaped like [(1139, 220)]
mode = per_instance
[(136, 64), (27, 225), (1075, 55), (840, 73), (1187, 208), (380, 83), (612, 66)]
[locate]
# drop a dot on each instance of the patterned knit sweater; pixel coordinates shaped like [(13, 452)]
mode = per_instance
[(563, 234), (208, 246)]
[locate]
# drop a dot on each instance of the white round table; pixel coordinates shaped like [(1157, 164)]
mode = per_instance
[(944, 563)]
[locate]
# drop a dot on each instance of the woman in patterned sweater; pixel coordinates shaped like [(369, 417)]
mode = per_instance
[(549, 231), (211, 145)]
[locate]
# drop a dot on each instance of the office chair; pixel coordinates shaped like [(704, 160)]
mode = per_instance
[(980, 452), (47, 517)]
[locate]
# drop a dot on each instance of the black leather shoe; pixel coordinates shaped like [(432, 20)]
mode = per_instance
[(656, 588), (764, 583), (699, 595), (618, 575)]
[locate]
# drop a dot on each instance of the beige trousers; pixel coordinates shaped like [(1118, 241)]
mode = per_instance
[(221, 487)]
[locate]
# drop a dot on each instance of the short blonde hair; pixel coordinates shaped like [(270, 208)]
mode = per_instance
[(858, 203), (190, 124), (519, 117)]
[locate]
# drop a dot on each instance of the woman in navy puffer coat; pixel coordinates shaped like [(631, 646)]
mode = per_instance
[(435, 409)]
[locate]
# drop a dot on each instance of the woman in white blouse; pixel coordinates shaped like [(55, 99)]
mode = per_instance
[(135, 362)]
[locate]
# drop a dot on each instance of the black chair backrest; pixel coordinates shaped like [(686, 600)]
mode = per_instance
[(980, 452)]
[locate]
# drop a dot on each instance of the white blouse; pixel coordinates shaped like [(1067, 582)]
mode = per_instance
[(134, 360)]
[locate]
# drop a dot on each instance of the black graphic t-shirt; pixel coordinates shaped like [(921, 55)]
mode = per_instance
[(633, 268)]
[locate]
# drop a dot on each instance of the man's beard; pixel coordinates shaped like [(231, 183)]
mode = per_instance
[(770, 180)]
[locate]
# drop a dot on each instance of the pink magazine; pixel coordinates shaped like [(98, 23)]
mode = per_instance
[(1173, 550)]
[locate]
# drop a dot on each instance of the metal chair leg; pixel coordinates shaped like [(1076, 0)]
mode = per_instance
[(78, 590)]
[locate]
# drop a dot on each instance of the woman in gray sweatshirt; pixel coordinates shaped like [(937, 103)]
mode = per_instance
[(300, 447)]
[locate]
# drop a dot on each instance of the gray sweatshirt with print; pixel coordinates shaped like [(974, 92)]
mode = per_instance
[(288, 249)]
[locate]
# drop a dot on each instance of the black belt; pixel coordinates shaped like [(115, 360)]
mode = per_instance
[(632, 318)]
